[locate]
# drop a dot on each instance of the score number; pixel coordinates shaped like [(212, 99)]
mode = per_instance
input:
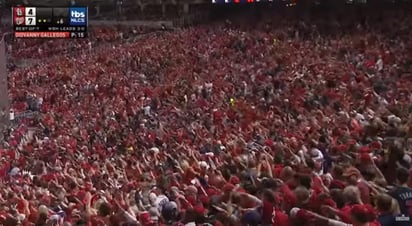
[(30, 19)]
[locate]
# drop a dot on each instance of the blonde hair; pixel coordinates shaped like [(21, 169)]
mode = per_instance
[(302, 194), (386, 203), (43, 209), (184, 164), (395, 209)]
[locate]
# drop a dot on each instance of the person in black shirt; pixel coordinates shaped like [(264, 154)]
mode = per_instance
[(388, 216), (402, 193)]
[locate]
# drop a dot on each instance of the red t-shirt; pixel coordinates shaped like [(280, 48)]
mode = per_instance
[(188, 176), (344, 214), (4, 169), (365, 192), (97, 221), (267, 212), (280, 219)]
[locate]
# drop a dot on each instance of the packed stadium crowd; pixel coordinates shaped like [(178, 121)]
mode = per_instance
[(290, 123)]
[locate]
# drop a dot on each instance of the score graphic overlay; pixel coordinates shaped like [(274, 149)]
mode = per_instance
[(46, 22)]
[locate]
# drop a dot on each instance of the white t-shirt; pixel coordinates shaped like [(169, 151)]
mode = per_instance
[(318, 154), (379, 64), (161, 200), (147, 110), (11, 115)]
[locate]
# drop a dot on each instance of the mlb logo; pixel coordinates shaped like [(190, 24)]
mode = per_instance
[(18, 11), (19, 21), (78, 16)]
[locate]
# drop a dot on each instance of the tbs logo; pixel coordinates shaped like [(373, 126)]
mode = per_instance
[(78, 16)]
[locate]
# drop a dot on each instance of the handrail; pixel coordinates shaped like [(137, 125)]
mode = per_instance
[(26, 114), (3, 77), (4, 35)]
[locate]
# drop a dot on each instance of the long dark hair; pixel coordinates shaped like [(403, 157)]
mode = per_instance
[(41, 220)]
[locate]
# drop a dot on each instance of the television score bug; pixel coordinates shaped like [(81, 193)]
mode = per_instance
[(48, 22), (78, 16)]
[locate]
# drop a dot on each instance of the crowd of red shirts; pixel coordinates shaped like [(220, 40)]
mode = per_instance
[(291, 123)]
